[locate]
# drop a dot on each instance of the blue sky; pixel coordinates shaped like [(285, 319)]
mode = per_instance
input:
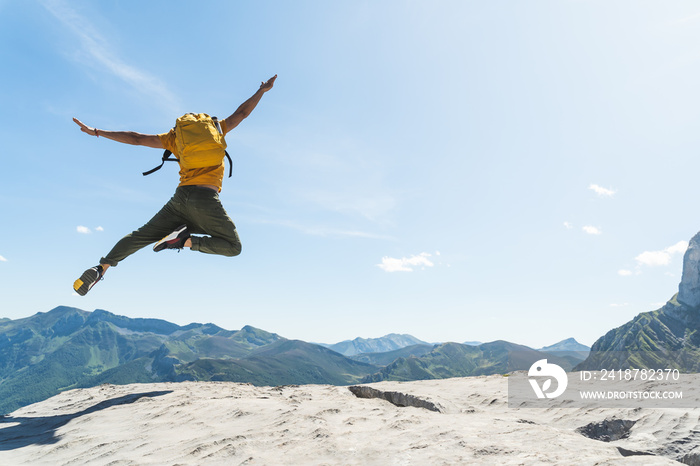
[(456, 170)]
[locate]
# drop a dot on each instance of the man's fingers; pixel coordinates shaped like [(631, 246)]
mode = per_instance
[(82, 125), (270, 82), (85, 128)]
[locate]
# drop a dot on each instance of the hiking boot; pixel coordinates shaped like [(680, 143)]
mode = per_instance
[(175, 240), (88, 279)]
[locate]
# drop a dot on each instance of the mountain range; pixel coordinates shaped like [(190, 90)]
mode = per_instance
[(69, 348), (459, 360)]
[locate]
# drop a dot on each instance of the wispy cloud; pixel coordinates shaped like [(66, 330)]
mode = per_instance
[(321, 230), (332, 171), (2, 259), (94, 51), (372, 208), (684, 20), (624, 272), (568, 225), (406, 264), (600, 191), (591, 230)]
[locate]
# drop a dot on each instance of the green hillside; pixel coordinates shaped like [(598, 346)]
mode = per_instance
[(284, 362), (457, 360), (68, 348), (383, 359), (668, 338)]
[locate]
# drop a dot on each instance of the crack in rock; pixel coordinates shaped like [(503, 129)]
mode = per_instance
[(607, 430), (626, 452), (396, 398)]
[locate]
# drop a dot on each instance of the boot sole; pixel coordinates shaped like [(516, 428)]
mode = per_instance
[(86, 281), (172, 237)]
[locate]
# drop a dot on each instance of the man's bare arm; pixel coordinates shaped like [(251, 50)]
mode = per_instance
[(249, 105), (126, 137)]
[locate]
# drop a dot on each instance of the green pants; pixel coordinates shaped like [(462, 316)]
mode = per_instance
[(198, 208)]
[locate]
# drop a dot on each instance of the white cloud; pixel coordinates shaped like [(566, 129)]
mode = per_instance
[(663, 257), (86, 231), (678, 248), (2, 259), (624, 272), (600, 191), (591, 230), (654, 258), (405, 264), (568, 225)]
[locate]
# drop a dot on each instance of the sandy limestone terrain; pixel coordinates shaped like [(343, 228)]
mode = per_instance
[(228, 423)]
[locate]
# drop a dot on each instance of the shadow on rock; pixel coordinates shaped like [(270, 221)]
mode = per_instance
[(42, 430)]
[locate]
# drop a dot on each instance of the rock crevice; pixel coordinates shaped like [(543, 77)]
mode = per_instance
[(395, 398)]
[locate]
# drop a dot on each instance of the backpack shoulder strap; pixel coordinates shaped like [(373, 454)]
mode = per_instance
[(230, 162), (165, 158)]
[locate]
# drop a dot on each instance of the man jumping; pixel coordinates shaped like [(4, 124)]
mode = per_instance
[(195, 207)]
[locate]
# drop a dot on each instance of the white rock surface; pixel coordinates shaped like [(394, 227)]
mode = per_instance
[(227, 423)]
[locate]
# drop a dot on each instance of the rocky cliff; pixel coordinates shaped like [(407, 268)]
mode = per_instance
[(689, 288), (667, 338)]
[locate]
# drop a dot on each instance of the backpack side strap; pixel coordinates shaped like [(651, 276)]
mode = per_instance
[(166, 158), (230, 164)]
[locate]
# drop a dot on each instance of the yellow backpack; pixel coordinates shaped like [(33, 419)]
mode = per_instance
[(200, 143)]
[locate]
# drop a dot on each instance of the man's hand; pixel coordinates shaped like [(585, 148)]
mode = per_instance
[(249, 105), (266, 86), (86, 129)]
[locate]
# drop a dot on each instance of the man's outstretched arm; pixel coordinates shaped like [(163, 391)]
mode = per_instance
[(126, 137), (246, 107)]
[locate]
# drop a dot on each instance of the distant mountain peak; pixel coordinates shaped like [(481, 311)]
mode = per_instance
[(389, 342), (570, 344)]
